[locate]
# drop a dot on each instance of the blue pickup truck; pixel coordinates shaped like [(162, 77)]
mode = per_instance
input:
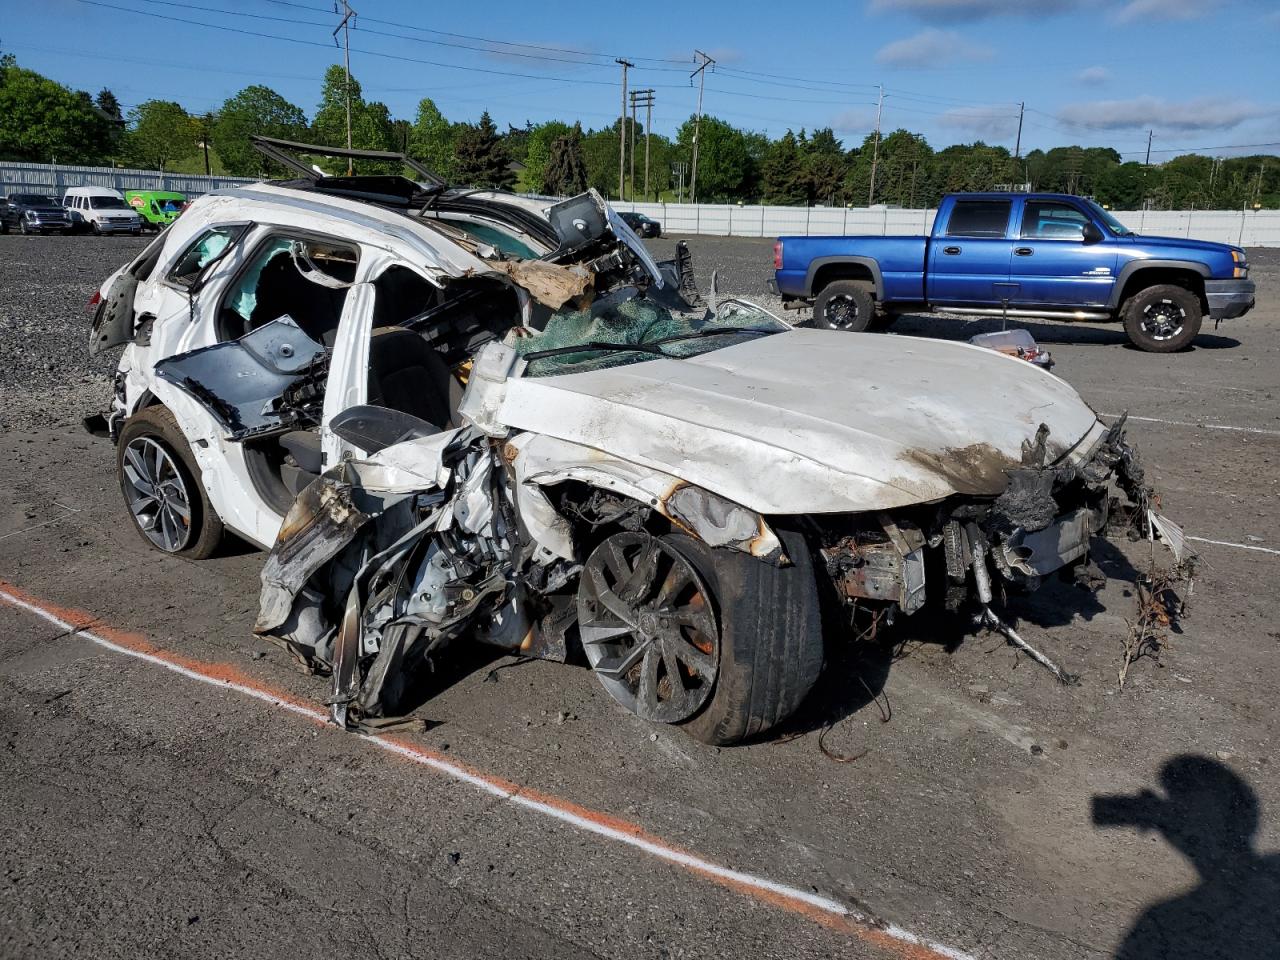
[(1022, 255)]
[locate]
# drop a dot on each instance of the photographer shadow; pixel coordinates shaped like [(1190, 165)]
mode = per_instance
[(1210, 815)]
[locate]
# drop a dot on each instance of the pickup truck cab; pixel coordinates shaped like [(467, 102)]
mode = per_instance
[(1046, 256)]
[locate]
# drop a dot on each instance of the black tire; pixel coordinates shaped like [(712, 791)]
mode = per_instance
[(771, 648), (96, 228), (1162, 319), (4, 226), (845, 305), (204, 530), (22, 227)]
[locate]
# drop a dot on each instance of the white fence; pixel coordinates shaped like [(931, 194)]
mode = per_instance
[(54, 179), (1250, 228)]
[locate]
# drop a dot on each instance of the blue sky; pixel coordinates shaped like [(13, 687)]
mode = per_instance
[(1200, 73)]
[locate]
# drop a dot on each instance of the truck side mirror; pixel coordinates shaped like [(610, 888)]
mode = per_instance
[(1092, 234)]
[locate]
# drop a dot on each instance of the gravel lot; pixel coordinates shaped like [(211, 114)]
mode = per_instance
[(147, 816)]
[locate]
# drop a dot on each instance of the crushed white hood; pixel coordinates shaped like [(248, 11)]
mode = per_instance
[(813, 421)]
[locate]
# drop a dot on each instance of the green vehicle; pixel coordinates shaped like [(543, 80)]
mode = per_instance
[(157, 208)]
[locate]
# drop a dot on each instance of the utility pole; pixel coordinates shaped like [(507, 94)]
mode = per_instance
[(641, 98), (875, 152), (622, 131), (633, 145), (1017, 149), (701, 74), (347, 16), (1150, 134)]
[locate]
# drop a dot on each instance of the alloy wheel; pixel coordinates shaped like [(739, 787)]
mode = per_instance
[(1163, 320), (841, 312), (157, 494), (647, 625)]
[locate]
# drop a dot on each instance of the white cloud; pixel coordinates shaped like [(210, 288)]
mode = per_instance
[(930, 48), (1093, 76), (975, 9), (1203, 113), (993, 122), (1146, 11)]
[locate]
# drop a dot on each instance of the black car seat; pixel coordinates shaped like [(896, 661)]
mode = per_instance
[(405, 374), (408, 374)]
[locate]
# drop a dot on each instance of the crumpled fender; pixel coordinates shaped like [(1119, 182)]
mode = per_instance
[(542, 461)]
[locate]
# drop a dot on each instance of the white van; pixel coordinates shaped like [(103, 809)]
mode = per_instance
[(104, 210)]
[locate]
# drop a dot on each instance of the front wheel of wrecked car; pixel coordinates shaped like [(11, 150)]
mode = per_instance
[(723, 644), (161, 484)]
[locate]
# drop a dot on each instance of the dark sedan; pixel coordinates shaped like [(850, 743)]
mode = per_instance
[(642, 225), (33, 213)]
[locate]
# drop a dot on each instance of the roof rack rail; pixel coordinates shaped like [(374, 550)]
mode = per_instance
[(284, 152)]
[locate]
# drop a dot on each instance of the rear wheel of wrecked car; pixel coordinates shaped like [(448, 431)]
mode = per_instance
[(844, 305), (161, 484), (717, 641), (1163, 319)]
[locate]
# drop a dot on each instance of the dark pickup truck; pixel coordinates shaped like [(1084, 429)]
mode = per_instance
[(1047, 256)]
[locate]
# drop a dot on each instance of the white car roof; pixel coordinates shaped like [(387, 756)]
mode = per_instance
[(360, 222), (93, 192)]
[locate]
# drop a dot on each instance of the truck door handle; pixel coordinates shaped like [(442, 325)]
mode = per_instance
[(950, 251), (1023, 251)]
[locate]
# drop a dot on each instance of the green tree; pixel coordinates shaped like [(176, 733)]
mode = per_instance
[(784, 177), (1123, 187), (160, 133), (824, 166), (370, 123), (538, 152), (566, 170), (108, 104), (255, 110), (482, 162), (905, 171), (41, 120), (600, 151), (723, 159), (432, 139)]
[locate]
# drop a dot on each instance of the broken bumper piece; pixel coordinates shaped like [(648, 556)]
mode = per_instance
[(1041, 524)]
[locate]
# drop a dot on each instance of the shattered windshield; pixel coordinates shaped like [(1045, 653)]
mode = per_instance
[(574, 341)]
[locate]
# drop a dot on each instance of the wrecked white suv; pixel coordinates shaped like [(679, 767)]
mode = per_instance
[(465, 416)]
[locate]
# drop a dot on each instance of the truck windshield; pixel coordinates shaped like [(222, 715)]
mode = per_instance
[(600, 336), (1118, 228), (108, 203), (34, 200)]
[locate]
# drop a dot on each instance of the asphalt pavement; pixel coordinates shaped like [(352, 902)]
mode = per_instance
[(169, 791)]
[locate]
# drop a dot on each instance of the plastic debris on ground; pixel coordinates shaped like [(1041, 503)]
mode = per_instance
[(1016, 343)]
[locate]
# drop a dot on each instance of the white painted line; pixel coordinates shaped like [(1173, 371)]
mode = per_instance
[(67, 511), (1206, 426), (1238, 546), (889, 937)]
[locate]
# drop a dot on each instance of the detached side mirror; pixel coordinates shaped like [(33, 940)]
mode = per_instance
[(1092, 234)]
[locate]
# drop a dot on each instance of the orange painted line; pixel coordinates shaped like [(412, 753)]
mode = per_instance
[(832, 914)]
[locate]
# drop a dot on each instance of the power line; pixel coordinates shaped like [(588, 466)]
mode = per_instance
[(401, 58), (396, 36), (464, 36)]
